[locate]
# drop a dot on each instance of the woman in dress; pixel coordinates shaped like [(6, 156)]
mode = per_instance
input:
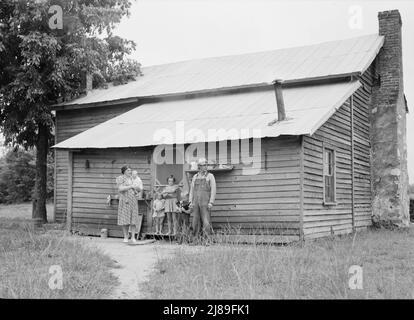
[(171, 195), (128, 205)]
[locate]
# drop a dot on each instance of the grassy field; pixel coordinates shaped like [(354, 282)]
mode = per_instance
[(319, 269), (22, 211), (26, 256)]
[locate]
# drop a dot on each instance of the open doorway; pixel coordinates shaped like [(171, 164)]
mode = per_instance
[(170, 165)]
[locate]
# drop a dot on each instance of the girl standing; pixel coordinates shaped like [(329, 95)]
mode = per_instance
[(171, 195), (158, 215)]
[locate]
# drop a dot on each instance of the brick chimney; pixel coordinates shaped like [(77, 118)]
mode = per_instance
[(388, 129)]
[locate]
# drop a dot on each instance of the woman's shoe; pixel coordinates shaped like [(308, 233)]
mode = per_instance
[(125, 240)]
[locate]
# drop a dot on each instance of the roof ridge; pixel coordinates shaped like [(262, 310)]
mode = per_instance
[(256, 52), (309, 63)]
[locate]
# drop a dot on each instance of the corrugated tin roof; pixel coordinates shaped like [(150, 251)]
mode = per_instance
[(312, 61), (307, 108)]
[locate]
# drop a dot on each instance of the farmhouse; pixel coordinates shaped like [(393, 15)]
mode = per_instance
[(304, 142)]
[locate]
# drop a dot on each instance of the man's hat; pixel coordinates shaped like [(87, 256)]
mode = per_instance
[(202, 161)]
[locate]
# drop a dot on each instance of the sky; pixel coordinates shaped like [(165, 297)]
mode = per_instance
[(169, 31)]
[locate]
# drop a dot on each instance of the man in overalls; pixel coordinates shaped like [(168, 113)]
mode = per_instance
[(202, 196)]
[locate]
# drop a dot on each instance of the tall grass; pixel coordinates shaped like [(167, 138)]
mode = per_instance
[(27, 254), (318, 269)]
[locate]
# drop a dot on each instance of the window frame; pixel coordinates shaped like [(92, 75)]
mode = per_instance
[(326, 148)]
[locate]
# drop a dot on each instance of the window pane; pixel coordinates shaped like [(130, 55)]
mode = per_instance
[(329, 178), (326, 163)]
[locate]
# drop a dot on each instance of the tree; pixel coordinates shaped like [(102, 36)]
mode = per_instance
[(18, 173), (17, 176), (42, 64)]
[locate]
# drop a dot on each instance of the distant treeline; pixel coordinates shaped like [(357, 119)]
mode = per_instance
[(18, 173)]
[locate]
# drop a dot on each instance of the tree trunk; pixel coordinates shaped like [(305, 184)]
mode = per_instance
[(41, 174)]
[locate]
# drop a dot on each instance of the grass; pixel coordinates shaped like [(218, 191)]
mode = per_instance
[(26, 255), (317, 270), (22, 211)]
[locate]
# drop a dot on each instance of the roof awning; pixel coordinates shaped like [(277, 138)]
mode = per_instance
[(217, 118)]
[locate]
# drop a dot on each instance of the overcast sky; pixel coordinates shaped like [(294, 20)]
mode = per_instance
[(168, 31)]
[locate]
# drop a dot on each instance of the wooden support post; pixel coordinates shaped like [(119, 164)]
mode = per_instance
[(69, 194), (55, 177), (351, 105)]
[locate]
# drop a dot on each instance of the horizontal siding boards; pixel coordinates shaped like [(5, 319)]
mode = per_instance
[(61, 185), (321, 220), (362, 150), (91, 189), (68, 124), (73, 122), (263, 203), (267, 201)]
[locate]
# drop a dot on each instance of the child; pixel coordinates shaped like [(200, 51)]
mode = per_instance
[(184, 215), (171, 194), (158, 215), (137, 183)]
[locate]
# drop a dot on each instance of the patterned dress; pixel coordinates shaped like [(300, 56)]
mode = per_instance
[(171, 197), (128, 204)]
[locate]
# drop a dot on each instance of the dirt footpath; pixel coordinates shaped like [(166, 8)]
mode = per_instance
[(135, 262)]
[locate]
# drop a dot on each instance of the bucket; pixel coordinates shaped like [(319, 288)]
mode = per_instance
[(104, 233)]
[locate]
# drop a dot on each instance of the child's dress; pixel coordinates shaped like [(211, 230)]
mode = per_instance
[(171, 198), (159, 210)]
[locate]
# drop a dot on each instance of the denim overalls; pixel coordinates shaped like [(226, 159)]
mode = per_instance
[(201, 198)]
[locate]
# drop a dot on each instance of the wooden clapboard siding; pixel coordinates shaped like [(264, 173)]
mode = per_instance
[(91, 186), (319, 219), (68, 124), (350, 139), (362, 151), (266, 201)]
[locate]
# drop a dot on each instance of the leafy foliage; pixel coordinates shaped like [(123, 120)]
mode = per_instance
[(17, 176), (40, 66)]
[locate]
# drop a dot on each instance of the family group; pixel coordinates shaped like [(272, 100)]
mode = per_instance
[(169, 202)]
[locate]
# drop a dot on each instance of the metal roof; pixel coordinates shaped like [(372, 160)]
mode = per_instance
[(319, 60), (242, 115)]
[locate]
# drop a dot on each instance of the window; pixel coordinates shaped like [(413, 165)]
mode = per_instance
[(329, 176)]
